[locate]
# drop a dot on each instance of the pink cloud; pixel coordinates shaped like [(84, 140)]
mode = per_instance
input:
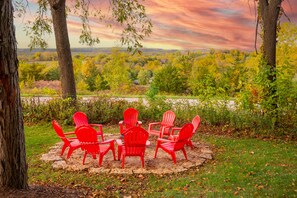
[(202, 23), (191, 24)]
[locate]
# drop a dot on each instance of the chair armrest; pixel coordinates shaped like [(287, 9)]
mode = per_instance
[(153, 124), (173, 138), (72, 139), (163, 129), (163, 140), (99, 126), (175, 129), (107, 141), (121, 126), (119, 142), (139, 123)]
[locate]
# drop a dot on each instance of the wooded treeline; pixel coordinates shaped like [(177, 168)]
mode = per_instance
[(229, 73)]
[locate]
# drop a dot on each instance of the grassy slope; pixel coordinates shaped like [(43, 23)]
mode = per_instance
[(242, 167)]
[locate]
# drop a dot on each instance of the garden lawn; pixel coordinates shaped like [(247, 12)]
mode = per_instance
[(241, 167)]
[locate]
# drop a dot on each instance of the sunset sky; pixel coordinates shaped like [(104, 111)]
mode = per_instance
[(178, 24)]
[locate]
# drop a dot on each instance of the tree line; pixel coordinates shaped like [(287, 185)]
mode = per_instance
[(228, 73)]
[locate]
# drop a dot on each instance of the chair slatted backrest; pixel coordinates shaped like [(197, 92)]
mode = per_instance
[(88, 139), (60, 132), (185, 133), (196, 123), (168, 120), (80, 119), (135, 141), (130, 117)]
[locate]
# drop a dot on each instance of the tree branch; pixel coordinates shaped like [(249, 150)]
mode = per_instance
[(256, 34)]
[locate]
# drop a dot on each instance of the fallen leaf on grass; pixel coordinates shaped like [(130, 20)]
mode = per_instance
[(283, 165), (259, 187)]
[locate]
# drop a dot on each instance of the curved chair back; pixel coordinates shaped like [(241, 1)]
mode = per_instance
[(79, 119), (168, 118), (88, 139), (167, 122), (130, 117), (135, 141), (196, 123), (59, 131), (184, 135)]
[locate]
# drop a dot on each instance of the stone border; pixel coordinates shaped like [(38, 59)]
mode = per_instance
[(163, 164)]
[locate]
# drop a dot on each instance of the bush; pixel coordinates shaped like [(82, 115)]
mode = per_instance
[(217, 113), (29, 71), (169, 79), (51, 72)]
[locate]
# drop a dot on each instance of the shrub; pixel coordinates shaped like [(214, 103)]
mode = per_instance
[(169, 79), (51, 72), (212, 112)]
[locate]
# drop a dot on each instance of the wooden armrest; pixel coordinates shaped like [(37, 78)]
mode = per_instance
[(119, 142), (154, 123), (107, 141), (163, 140), (175, 129), (173, 138), (98, 125)]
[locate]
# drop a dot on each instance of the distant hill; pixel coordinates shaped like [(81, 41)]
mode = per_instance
[(22, 51)]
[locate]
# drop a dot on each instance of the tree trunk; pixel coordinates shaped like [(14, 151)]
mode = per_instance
[(269, 14), (63, 48), (13, 166)]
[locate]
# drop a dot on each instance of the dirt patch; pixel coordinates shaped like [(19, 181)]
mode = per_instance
[(161, 165), (44, 191)]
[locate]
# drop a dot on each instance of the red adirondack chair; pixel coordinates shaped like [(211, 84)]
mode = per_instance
[(178, 143), (165, 125), (72, 143), (81, 119), (89, 143), (196, 123), (135, 141), (130, 120)]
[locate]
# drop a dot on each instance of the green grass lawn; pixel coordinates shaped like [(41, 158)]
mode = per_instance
[(241, 167)]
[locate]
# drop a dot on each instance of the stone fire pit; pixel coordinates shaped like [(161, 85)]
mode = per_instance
[(163, 164)]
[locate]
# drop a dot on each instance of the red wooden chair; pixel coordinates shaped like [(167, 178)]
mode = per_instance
[(176, 144), (72, 143), (81, 119), (196, 123), (130, 120), (165, 125), (89, 143), (135, 141)]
